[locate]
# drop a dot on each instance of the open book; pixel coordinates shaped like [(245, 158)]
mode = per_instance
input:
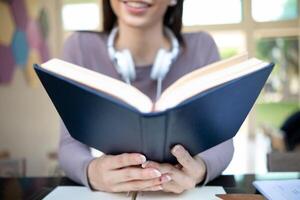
[(77, 192), (189, 85), (200, 110)]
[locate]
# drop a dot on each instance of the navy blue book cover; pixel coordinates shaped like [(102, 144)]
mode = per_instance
[(113, 127)]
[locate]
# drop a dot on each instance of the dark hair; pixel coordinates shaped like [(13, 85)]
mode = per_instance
[(291, 128), (172, 18)]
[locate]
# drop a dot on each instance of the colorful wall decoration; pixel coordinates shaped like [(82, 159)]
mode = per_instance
[(24, 31)]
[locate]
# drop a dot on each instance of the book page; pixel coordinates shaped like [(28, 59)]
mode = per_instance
[(80, 192), (206, 192), (201, 83), (279, 189), (115, 88), (214, 67)]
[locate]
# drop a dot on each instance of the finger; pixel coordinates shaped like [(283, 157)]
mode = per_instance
[(184, 158), (178, 166), (134, 173), (154, 188), (136, 185), (125, 160), (163, 179), (172, 187), (177, 175), (163, 168)]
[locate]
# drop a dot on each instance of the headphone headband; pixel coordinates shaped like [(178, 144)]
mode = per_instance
[(124, 64), (113, 34), (174, 43), (110, 43)]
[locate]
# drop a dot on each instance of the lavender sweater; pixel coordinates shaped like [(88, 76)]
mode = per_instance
[(89, 50)]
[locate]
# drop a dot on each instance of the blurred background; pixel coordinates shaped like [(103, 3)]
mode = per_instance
[(33, 31)]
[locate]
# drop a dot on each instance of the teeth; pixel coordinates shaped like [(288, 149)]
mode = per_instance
[(135, 4)]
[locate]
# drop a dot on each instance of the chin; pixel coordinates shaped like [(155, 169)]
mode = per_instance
[(137, 22)]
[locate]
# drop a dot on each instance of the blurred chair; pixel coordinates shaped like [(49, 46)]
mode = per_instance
[(4, 155), (54, 169), (276, 137), (285, 145), (283, 161), (11, 167), (279, 159)]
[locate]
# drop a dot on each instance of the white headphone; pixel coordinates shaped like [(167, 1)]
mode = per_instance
[(124, 64)]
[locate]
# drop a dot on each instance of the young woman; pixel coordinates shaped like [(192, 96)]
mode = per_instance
[(135, 32)]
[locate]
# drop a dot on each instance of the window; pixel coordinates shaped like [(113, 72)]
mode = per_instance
[(203, 12), (282, 91), (283, 84), (81, 15), (270, 10), (230, 43)]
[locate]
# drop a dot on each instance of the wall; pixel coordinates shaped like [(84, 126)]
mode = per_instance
[(29, 124)]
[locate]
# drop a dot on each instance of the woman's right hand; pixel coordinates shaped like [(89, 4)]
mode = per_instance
[(123, 173)]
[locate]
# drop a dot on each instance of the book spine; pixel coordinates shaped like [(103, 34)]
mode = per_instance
[(153, 130)]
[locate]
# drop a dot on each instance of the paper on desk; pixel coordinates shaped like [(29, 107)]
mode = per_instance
[(77, 192), (207, 193), (279, 189)]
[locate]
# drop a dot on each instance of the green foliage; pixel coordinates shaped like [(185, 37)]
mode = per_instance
[(228, 52), (274, 114)]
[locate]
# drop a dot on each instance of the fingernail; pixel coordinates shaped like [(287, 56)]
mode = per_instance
[(159, 188), (156, 173), (156, 188), (143, 159), (166, 178), (144, 165)]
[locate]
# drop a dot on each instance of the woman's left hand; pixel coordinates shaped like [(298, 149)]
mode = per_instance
[(186, 175)]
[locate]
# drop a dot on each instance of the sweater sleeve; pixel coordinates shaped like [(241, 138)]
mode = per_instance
[(73, 156), (218, 157)]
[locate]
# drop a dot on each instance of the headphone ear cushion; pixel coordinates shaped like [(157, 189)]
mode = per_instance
[(125, 64), (161, 65)]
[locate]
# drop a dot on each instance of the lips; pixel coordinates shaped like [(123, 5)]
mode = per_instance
[(137, 6)]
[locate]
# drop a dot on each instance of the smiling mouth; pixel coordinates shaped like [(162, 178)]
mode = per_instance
[(137, 4)]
